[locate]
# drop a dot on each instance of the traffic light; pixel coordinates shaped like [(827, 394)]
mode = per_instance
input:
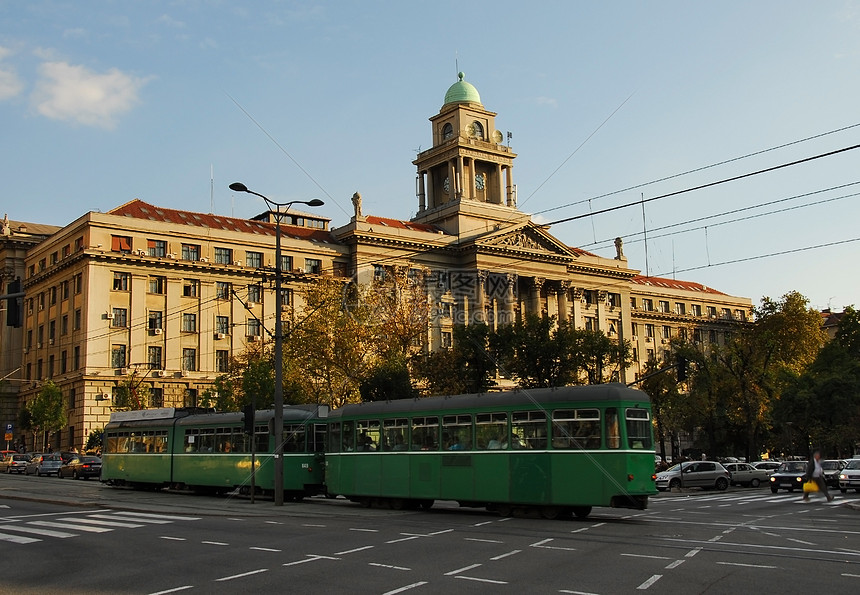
[(681, 367), (13, 304), (248, 411)]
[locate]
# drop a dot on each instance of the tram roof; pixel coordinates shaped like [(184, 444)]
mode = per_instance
[(605, 393)]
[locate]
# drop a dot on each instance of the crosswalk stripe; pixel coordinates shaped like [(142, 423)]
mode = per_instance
[(73, 527), (117, 517), (101, 523), (169, 517), (38, 531), (17, 538)]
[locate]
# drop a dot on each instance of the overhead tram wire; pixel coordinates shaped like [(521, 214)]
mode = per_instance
[(708, 185), (698, 169)]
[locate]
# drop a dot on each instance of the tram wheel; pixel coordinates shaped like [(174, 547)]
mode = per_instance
[(582, 512), (425, 504), (551, 512), (397, 503), (504, 509)]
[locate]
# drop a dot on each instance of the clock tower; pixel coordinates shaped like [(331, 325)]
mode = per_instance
[(465, 180)]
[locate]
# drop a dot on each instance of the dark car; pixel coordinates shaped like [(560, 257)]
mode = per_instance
[(832, 468), (81, 467), (14, 463), (790, 476)]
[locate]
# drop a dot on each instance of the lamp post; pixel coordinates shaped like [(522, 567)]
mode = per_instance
[(279, 337)]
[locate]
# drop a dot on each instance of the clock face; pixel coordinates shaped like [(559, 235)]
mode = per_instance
[(479, 181), (446, 184)]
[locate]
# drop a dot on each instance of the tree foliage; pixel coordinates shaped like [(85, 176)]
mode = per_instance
[(131, 394), (47, 411)]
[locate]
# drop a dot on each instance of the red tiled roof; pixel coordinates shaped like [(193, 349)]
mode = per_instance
[(138, 209), (674, 284), (398, 224)]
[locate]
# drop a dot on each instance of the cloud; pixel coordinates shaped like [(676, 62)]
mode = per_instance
[(550, 101), (168, 20), (10, 84), (76, 94), (76, 33)]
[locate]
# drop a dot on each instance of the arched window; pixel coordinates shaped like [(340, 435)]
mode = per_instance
[(479, 130), (447, 131)]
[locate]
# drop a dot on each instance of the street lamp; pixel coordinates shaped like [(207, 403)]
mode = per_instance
[(279, 337)]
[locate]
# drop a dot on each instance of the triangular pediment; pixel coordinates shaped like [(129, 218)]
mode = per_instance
[(526, 237)]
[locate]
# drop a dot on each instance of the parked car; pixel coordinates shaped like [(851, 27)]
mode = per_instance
[(82, 466), (745, 474), (32, 467), (832, 468), (47, 464), (849, 477), (704, 474), (789, 476), (769, 466), (14, 463)]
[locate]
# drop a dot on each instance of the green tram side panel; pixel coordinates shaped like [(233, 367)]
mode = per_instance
[(395, 474), (457, 476), (424, 476), (492, 476), (136, 467), (216, 469), (531, 477), (585, 478)]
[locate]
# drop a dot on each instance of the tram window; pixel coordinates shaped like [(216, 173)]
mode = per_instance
[(294, 438), (613, 433), (576, 428), (638, 428), (206, 440), (112, 443), (261, 438), (528, 429), (368, 435), (224, 440), (191, 440), (457, 432), (348, 436), (491, 430), (319, 438), (159, 441), (334, 442), (394, 433), (425, 433)]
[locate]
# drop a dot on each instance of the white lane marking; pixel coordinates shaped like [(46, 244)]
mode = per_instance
[(717, 538), (100, 523), (576, 592), (177, 589), (464, 569), (17, 538), (273, 523), (172, 538), (403, 539), (799, 541), (746, 565), (503, 520), (364, 530), (148, 515), (310, 558), (389, 566), (851, 575), (674, 564), (307, 525), (500, 556), (482, 524), (73, 527), (38, 531), (352, 551), (116, 517), (406, 588), (541, 542), (214, 543), (692, 553), (649, 582), (4, 506), (244, 574), (482, 540), (646, 556), (765, 547), (482, 580), (263, 549), (442, 532)]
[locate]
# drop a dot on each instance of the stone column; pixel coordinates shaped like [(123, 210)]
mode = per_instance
[(420, 191), (510, 296), (563, 287), (535, 306), (481, 296), (452, 179), (500, 190), (460, 190), (551, 301), (432, 203), (601, 308), (577, 307), (511, 199)]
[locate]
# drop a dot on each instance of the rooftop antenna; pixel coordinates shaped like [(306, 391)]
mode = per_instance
[(211, 189), (457, 62)]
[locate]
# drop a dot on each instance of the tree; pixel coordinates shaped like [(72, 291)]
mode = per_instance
[(662, 388), (389, 379), (537, 352), (602, 357), (94, 440), (468, 367), (132, 394), (47, 413)]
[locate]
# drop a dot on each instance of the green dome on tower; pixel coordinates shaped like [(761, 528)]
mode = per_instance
[(462, 92)]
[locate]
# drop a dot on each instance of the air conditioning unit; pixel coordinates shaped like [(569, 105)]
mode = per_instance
[(664, 341), (50, 341), (158, 373), (184, 373), (220, 335), (204, 259), (634, 338), (298, 271), (141, 253), (171, 256), (255, 338), (38, 345), (238, 263), (123, 371), (648, 339), (109, 316), (157, 331)]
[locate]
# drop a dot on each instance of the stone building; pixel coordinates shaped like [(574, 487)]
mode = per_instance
[(166, 297)]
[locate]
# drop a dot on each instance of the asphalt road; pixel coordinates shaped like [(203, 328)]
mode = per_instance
[(79, 537)]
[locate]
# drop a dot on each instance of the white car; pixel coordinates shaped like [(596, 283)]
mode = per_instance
[(849, 477), (746, 475)]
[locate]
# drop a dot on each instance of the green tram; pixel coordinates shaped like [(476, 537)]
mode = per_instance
[(559, 451), (210, 452)]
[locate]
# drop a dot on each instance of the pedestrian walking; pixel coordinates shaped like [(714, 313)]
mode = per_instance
[(815, 474)]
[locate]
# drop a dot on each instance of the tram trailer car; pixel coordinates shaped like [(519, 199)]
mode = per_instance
[(559, 451), (210, 452)]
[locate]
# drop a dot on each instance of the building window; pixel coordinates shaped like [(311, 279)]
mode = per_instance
[(649, 330), (67, 249), (156, 248), (39, 370), (190, 288), (222, 324), (64, 362), (156, 396), (30, 339), (253, 327), (682, 333), (52, 330), (31, 271), (740, 315), (680, 308), (153, 357), (286, 297), (447, 340), (649, 353), (667, 332), (712, 336), (189, 323), (712, 312), (51, 366), (40, 335), (255, 294), (313, 266), (79, 244), (590, 323), (72, 398), (696, 309), (664, 306), (120, 281), (78, 281), (727, 313), (634, 329), (222, 361), (64, 290), (697, 335), (64, 325), (41, 301), (54, 258), (52, 296), (254, 259), (117, 356), (77, 325), (286, 263), (648, 304), (223, 256), (189, 359), (76, 361), (222, 290), (120, 318), (614, 300), (155, 319), (120, 244), (190, 252), (157, 284)]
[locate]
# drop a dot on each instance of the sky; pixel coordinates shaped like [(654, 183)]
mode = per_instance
[(608, 104)]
